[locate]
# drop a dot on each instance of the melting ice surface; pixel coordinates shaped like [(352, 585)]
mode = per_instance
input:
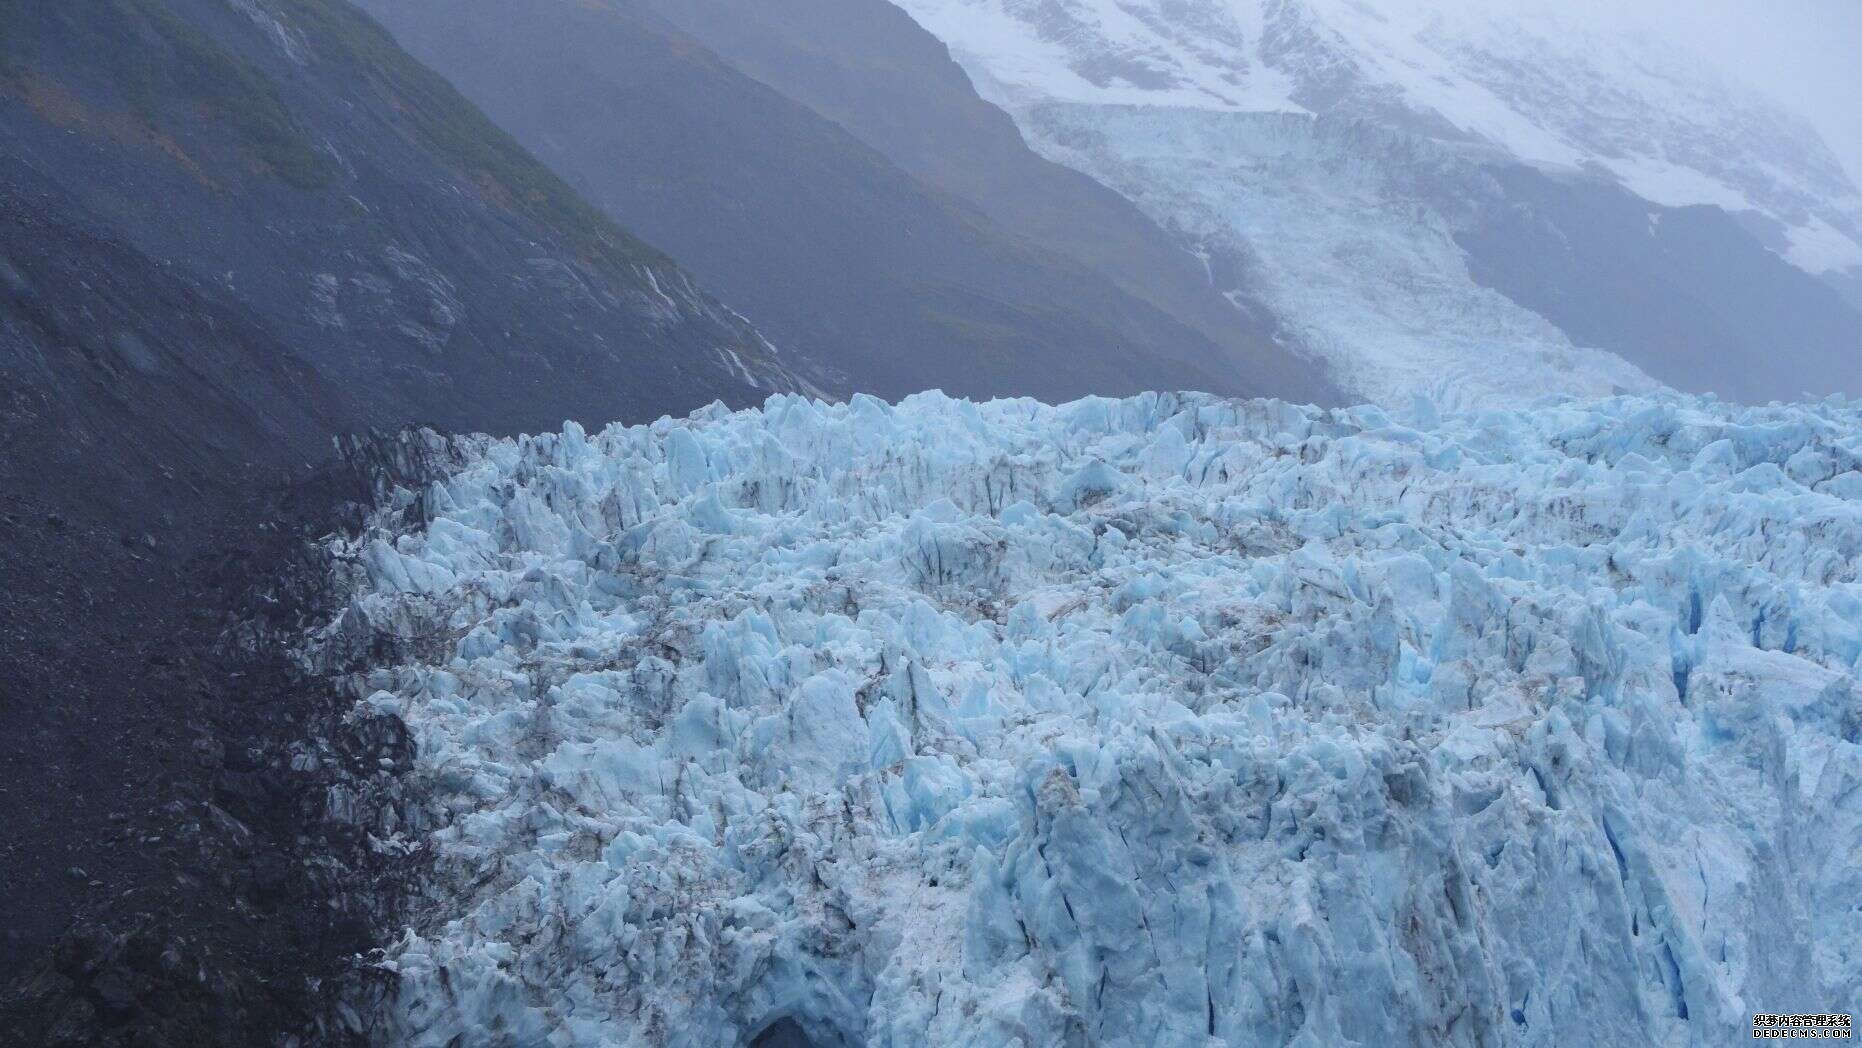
[(1162, 721)]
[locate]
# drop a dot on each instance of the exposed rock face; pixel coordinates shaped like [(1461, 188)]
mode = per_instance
[(1169, 720)]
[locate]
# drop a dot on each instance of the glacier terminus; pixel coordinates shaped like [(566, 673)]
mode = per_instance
[(1170, 720)]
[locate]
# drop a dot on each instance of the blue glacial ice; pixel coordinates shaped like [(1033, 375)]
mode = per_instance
[(1171, 720)]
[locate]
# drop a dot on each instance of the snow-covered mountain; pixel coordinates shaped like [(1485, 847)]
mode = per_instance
[(1172, 720), (1248, 126), (1527, 77)]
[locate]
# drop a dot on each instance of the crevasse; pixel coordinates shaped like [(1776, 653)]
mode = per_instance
[(1163, 721)]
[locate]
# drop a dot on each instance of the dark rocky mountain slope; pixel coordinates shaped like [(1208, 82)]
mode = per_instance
[(129, 387), (838, 253), (866, 65), (1686, 294), (229, 231), (286, 154)]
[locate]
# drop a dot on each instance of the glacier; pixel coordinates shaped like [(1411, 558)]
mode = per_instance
[(1554, 82), (1342, 231), (1326, 156), (1171, 720)]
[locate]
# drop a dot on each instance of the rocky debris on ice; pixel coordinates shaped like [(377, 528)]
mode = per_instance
[(1162, 721)]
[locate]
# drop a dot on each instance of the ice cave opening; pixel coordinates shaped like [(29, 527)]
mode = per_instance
[(783, 1033)]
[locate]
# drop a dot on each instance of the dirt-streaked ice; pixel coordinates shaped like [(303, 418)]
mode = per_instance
[(1161, 721)]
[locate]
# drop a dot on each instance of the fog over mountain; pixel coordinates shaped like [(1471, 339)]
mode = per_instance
[(1801, 52)]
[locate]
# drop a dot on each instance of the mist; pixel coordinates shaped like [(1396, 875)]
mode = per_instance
[(1801, 53)]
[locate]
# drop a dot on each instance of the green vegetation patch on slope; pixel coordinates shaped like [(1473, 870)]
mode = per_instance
[(156, 60), (455, 130), (161, 65)]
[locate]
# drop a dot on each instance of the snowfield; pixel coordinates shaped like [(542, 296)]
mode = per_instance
[(1163, 721)]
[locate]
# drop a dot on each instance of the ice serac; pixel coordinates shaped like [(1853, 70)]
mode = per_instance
[(1170, 720)]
